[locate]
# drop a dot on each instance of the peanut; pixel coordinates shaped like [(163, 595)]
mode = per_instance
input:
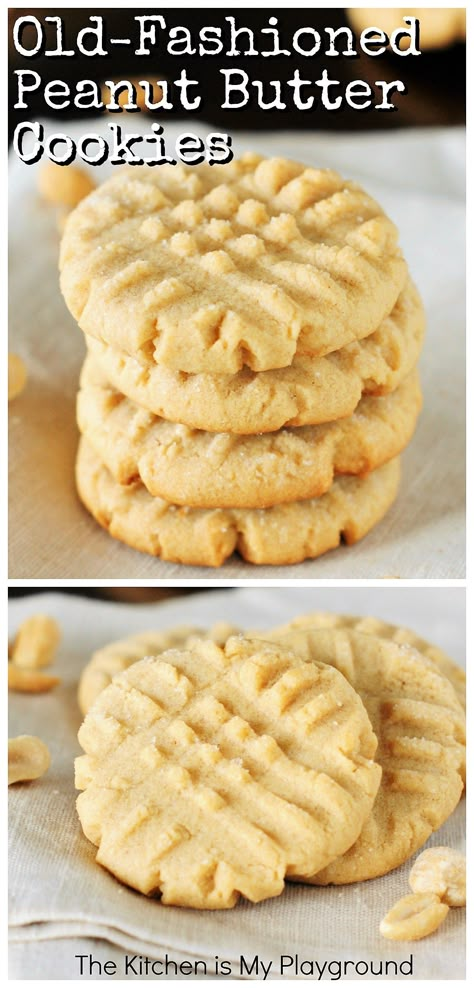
[(64, 185), (441, 870), (29, 680), (414, 917), (28, 758), (36, 642), (123, 96), (16, 375)]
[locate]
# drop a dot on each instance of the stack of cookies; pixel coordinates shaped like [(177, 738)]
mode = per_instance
[(252, 335), (325, 751)]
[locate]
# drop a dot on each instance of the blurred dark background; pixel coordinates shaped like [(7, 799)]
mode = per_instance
[(129, 595), (435, 80)]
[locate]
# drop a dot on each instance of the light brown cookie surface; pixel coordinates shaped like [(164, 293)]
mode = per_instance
[(207, 470), (282, 535), (420, 727), (381, 629), (117, 656), (312, 391), (212, 269), (214, 772)]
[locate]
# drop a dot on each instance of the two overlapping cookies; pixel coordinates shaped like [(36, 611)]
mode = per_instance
[(316, 753)]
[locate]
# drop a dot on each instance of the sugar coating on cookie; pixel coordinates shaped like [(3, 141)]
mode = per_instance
[(312, 390), (420, 727), (117, 656), (284, 534), (220, 470), (217, 269), (382, 629), (213, 772)]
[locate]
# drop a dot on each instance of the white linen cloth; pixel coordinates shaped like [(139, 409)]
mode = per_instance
[(62, 903), (418, 176)]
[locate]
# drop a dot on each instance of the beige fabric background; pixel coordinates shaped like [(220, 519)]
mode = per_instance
[(419, 178), (62, 903)]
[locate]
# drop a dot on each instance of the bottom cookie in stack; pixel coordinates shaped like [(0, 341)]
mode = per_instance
[(194, 496), (280, 535)]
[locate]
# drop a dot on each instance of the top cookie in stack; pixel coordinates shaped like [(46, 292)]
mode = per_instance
[(259, 297)]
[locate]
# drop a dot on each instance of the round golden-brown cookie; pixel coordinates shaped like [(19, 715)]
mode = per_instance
[(107, 661), (287, 533), (420, 727), (213, 772), (373, 626), (212, 269), (311, 391), (210, 470)]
